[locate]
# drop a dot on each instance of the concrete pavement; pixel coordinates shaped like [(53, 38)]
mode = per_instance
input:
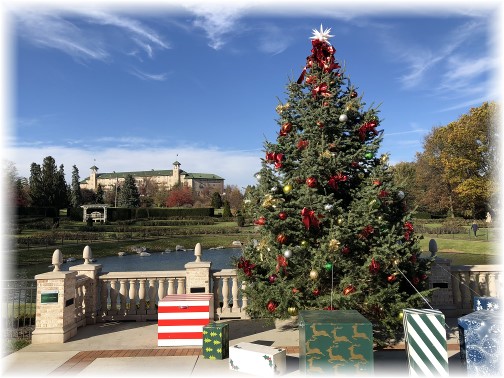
[(130, 349)]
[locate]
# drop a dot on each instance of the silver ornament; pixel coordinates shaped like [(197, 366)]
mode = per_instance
[(400, 195), (343, 118), (328, 207), (288, 253)]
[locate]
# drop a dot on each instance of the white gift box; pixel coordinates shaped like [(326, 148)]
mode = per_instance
[(257, 359), (181, 318)]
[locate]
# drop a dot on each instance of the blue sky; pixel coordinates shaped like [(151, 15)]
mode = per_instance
[(137, 87)]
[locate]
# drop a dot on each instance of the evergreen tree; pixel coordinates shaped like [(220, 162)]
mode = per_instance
[(75, 191), (100, 194), (129, 195), (49, 181), (216, 200), (335, 231), (35, 185), (62, 192), (226, 210)]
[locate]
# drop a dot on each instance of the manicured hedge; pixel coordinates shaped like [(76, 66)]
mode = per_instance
[(37, 211)]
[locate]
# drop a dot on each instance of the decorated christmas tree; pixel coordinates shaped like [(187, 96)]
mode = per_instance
[(335, 232)]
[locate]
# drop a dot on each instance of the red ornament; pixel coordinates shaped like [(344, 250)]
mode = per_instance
[(260, 221), (345, 250), (349, 290), (295, 291), (272, 306), (415, 280), (320, 124), (316, 292), (391, 278), (320, 89), (246, 265), (366, 231), (281, 264), (311, 182), (302, 144), (424, 277), (312, 79), (272, 278), (286, 127), (353, 94), (282, 215), (366, 128), (281, 238), (377, 182), (374, 267)]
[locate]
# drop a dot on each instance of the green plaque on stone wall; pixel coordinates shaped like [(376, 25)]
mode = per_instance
[(49, 297)]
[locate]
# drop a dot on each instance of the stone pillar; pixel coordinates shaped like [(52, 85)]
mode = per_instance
[(198, 274), (55, 308), (442, 297), (92, 271)]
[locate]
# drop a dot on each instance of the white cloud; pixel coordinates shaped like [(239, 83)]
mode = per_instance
[(146, 76), (217, 20), (52, 31), (236, 167)]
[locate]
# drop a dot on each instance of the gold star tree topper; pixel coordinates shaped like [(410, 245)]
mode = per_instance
[(322, 34)]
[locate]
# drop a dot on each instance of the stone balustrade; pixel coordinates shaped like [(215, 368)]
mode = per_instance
[(134, 295), (89, 296)]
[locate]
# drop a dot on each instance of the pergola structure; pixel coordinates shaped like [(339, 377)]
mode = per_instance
[(96, 216)]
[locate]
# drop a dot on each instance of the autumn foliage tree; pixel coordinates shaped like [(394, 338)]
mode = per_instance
[(180, 196), (457, 169)]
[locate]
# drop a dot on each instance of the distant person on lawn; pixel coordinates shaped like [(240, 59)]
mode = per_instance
[(474, 227)]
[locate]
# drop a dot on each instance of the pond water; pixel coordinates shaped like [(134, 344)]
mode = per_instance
[(220, 259)]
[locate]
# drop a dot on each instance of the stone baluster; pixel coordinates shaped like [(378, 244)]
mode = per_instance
[(492, 285), (234, 291), (225, 294), (141, 297), (152, 296), (132, 296), (456, 287), (84, 292), (161, 288), (123, 292), (181, 285), (465, 290), (104, 297), (113, 297), (216, 288), (78, 303), (482, 278), (171, 286), (244, 297)]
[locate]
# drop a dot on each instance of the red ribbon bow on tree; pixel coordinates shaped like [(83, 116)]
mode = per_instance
[(246, 265), (309, 218), (281, 263), (366, 231), (366, 128), (408, 226), (320, 89), (334, 180)]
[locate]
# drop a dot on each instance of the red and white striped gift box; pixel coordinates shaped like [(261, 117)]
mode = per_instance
[(181, 318)]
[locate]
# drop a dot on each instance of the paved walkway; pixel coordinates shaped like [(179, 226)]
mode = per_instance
[(124, 349)]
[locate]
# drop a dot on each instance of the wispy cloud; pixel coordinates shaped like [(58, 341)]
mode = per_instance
[(62, 31), (217, 20), (274, 40), (146, 76), (53, 31)]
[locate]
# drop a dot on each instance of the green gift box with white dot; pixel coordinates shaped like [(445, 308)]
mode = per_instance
[(216, 341)]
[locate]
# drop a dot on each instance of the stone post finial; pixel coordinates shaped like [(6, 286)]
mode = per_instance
[(57, 260), (433, 247), (87, 254), (197, 252)]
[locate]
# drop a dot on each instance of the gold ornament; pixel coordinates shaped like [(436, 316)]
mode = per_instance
[(292, 311), (313, 274), (327, 154), (384, 158), (287, 188), (334, 245), (340, 221)]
